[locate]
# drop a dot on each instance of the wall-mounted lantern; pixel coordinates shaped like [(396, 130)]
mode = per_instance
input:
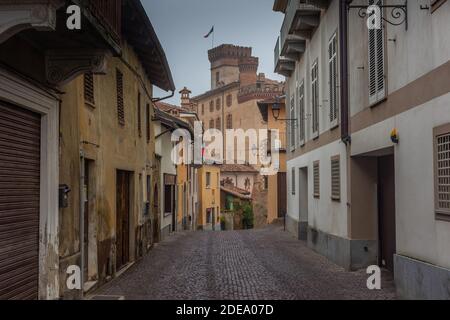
[(394, 136)]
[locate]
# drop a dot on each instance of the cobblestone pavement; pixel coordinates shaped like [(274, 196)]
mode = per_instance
[(242, 265)]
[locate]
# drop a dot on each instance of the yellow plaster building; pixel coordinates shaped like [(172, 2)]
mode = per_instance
[(209, 198)]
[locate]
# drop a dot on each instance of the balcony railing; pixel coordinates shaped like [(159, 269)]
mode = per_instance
[(109, 15)]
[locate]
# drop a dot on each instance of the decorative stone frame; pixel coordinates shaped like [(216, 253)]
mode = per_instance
[(26, 95)]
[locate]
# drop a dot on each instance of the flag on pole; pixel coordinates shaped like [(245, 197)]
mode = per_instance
[(209, 33)]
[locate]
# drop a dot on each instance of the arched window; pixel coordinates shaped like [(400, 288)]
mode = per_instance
[(229, 121), (229, 100), (218, 104), (218, 124)]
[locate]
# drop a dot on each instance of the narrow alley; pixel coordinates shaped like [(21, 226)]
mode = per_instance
[(239, 265)]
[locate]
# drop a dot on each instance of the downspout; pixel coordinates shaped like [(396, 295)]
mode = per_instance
[(343, 48), (154, 100)]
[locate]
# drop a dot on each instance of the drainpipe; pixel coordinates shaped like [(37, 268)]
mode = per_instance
[(343, 48), (164, 98), (82, 213)]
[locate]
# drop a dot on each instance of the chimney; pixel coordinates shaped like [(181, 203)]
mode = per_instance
[(248, 67), (185, 98)]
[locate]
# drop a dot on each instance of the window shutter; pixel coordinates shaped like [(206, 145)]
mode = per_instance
[(148, 118), (292, 124), (333, 66), (119, 92), (293, 181), (442, 172), (316, 179), (315, 98), (211, 124), (301, 116), (377, 82), (89, 88), (336, 178), (139, 119)]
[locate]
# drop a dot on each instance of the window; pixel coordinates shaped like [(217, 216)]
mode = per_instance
[(211, 106), (218, 181), (435, 4), (442, 172), (211, 124), (292, 124), (316, 179), (229, 100), (89, 88), (148, 195), (208, 215), (208, 180), (139, 120), (168, 198), (293, 181), (301, 113), (218, 104), (229, 121), (335, 178), (218, 124), (334, 94), (148, 121), (315, 98), (119, 92), (377, 83), (266, 183), (203, 109), (217, 79)]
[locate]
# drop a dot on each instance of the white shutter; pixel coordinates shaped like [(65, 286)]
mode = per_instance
[(301, 113), (292, 123), (315, 98), (333, 71), (377, 81)]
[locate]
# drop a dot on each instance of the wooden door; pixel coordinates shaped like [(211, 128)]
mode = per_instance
[(86, 221), (386, 208), (122, 219), (282, 196)]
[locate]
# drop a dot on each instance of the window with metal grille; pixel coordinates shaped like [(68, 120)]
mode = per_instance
[(336, 178), (89, 88), (218, 104), (377, 82), (292, 124), (301, 114), (139, 119), (218, 124), (442, 172), (315, 98), (333, 85), (229, 100), (148, 121), (211, 106), (229, 121), (120, 101), (293, 181), (316, 179)]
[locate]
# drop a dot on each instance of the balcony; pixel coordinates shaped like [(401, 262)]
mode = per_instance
[(283, 65)]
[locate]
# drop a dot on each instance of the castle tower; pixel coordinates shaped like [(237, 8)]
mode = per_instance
[(185, 98), (248, 68), (224, 61)]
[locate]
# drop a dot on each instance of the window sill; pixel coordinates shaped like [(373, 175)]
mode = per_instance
[(442, 217), (334, 126), (336, 199), (376, 104), (90, 104)]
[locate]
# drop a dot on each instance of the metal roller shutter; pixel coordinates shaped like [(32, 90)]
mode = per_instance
[(20, 132)]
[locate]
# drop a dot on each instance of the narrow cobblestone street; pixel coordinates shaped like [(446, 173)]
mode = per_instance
[(241, 265)]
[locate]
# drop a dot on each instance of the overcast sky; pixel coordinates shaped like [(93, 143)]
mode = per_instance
[(181, 25)]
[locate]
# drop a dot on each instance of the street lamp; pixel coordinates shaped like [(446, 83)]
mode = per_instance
[(276, 110)]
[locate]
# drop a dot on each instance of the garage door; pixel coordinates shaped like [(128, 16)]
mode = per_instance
[(19, 202)]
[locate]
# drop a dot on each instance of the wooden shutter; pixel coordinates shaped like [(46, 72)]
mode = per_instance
[(442, 172), (336, 178), (148, 121), (139, 117), (301, 115), (292, 124), (333, 86), (89, 88), (377, 81), (316, 179), (315, 98), (120, 101), (20, 147)]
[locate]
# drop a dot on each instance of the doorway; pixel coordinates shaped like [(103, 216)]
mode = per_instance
[(303, 204), (386, 211), (282, 194), (156, 215), (122, 219)]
